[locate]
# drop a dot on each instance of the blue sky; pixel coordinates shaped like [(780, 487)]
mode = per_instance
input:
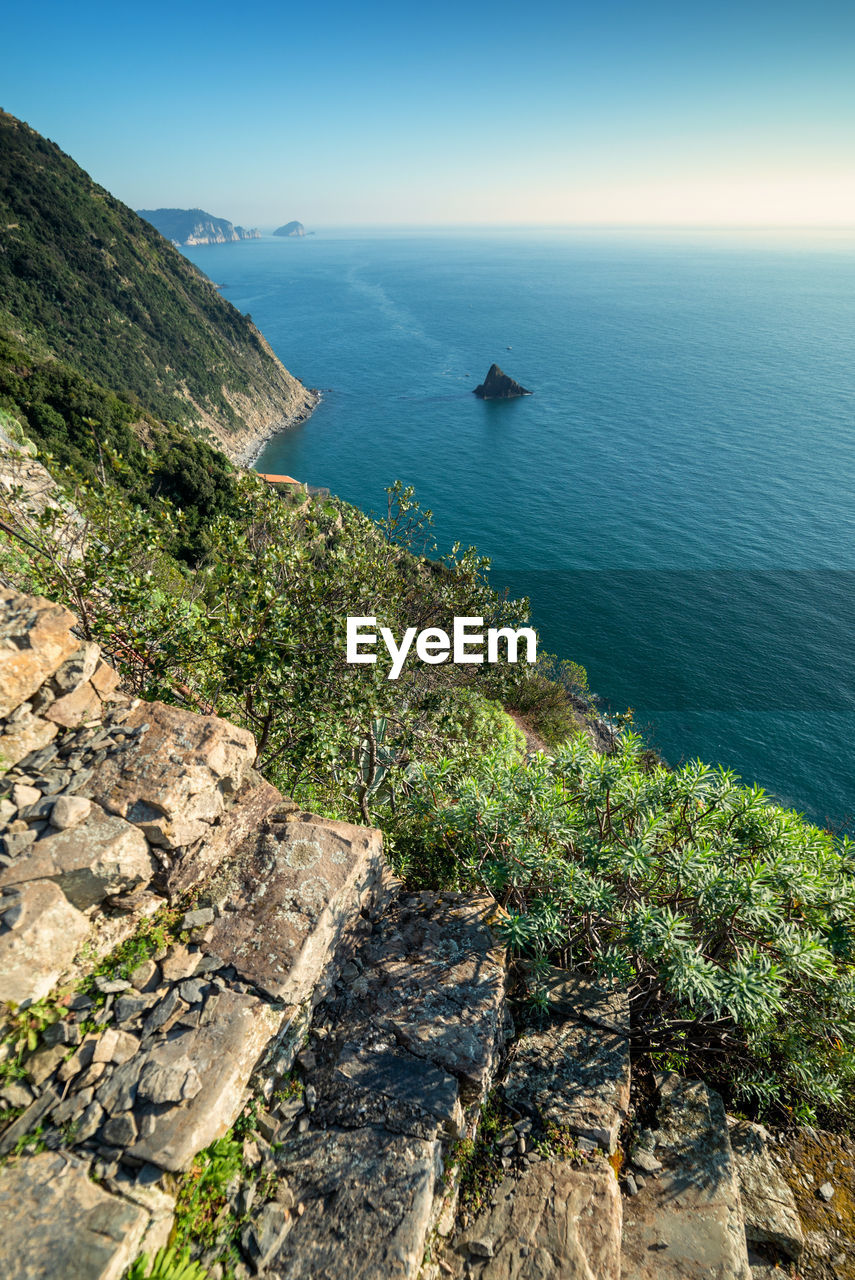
[(339, 114)]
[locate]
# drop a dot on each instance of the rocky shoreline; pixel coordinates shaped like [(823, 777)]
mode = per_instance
[(249, 455)]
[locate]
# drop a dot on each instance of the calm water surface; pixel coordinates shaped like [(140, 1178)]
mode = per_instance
[(675, 498)]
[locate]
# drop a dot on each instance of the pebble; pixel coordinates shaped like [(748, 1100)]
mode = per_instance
[(145, 974), (644, 1160), (631, 1185), (22, 795), (198, 919), (110, 986), (481, 1248), (826, 1191)]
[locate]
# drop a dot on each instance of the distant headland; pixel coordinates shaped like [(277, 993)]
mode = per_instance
[(195, 226), (290, 229)]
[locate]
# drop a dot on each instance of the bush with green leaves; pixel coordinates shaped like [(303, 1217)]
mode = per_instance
[(729, 921)]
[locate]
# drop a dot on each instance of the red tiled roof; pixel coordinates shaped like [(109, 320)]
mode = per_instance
[(277, 479)]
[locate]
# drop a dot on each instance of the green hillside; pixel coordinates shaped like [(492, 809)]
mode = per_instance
[(84, 279)]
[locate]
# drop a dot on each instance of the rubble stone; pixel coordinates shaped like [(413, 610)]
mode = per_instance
[(40, 934)]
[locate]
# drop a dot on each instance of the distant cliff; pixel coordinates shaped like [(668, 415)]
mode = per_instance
[(290, 229), (195, 226), (102, 319)]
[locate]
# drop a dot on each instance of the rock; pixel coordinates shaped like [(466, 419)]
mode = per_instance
[(255, 800), (167, 1078), (91, 861), (264, 1236), (568, 1222), (16, 1094), (59, 1223), (104, 681), (291, 229), (27, 734), (15, 842), (23, 795), (298, 899), (76, 669), (69, 810), (120, 1131), (642, 1159), (115, 1046), (41, 933), (631, 1185), (198, 919), (576, 1073), (179, 964), (74, 708), (146, 976), (768, 1206), (44, 1062), (223, 1053), (111, 986), (35, 640), (173, 806), (366, 1196), (686, 1224), (25, 1123), (498, 386), (826, 1191)]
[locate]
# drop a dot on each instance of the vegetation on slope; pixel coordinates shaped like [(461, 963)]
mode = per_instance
[(730, 922), (88, 281)]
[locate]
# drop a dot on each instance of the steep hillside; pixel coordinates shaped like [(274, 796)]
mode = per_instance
[(84, 280), (195, 226)]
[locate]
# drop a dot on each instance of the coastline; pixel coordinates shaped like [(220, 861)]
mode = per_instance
[(250, 454)]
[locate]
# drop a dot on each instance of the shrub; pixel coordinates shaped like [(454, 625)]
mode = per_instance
[(728, 920)]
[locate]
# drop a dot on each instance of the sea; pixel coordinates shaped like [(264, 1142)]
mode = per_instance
[(675, 497)]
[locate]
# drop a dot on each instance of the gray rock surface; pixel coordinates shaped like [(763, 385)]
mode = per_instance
[(90, 861), (367, 1198), (686, 1222), (40, 933), (575, 1071), (498, 386), (768, 1205), (553, 1223), (59, 1225), (173, 806), (295, 898)]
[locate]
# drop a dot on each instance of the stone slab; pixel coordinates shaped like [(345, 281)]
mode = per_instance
[(575, 1071), (434, 980), (172, 780), (294, 897), (367, 1198), (222, 1053), (58, 1223), (35, 640), (255, 800), (553, 1223), (40, 934), (768, 1205), (99, 857), (686, 1222)]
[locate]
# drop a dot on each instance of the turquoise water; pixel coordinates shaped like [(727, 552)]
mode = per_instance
[(675, 498)]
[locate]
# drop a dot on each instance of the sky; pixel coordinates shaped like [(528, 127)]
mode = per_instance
[(630, 112)]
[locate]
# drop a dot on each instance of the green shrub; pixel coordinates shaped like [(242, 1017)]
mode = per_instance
[(727, 919)]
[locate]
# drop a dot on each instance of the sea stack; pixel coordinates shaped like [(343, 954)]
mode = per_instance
[(498, 386), (290, 229)]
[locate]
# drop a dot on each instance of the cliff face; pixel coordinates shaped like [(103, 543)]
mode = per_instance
[(86, 282), (195, 226)]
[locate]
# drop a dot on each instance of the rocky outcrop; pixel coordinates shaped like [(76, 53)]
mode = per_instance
[(270, 968), (498, 386), (290, 229), (685, 1220), (195, 226)]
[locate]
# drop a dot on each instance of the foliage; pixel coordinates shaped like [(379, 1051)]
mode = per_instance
[(97, 287), (170, 1263), (202, 1202), (730, 921), (257, 633), (152, 935), (476, 1162), (22, 1032)]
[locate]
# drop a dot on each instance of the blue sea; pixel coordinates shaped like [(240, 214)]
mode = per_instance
[(676, 497)]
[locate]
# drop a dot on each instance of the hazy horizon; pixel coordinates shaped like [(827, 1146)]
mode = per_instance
[(561, 116)]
